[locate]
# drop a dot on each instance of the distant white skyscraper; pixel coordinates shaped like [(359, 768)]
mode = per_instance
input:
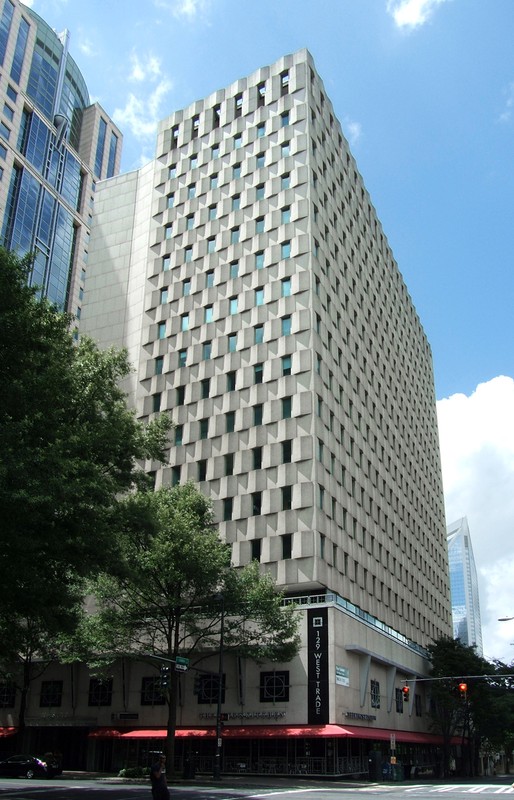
[(464, 586)]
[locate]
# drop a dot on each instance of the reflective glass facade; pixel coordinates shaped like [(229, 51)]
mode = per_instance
[(54, 145), (467, 625)]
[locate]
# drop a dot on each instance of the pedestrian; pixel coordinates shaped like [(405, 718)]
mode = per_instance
[(160, 789)]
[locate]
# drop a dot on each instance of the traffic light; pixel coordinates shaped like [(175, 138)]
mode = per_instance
[(165, 678), (405, 692), (197, 684), (463, 690)]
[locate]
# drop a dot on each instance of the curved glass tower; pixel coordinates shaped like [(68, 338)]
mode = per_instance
[(54, 145), (467, 625)]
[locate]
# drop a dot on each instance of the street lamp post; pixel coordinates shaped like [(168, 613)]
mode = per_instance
[(216, 773)]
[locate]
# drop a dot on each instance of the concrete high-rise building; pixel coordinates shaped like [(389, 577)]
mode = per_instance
[(54, 146), (467, 625), (247, 274)]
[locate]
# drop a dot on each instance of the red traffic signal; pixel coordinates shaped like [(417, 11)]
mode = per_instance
[(463, 688), (405, 692)]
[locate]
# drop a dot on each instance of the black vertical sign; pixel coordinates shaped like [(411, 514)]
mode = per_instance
[(317, 669)]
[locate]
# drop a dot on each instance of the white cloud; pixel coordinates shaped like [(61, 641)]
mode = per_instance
[(87, 47), (477, 454), (412, 13), (141, 114), (28, 3), (506, 114), (189, 9), (353, 130)]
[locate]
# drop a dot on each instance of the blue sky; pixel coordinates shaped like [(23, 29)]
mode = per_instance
[(424, 90)]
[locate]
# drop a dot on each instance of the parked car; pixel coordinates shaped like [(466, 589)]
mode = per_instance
[(29, 767)]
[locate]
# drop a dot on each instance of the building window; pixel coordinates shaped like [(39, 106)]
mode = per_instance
[(212, 212), (156, 402), (256, 503), (236, 202), (208, 689), (161, 330), (232, 342), (286, 287), (205, 387), (234, 236), (191, 191), (151, 692), (209, 278), (168, 231), (208, 314), (284, 119), (285, 149), (229, 460), (175, 475), (286, 326), (286, 451), (100, 692), (375, 694), (180, 395), (285, 181), (186, 288), (287, 499), (195, 127), (257, 414), (258, 371), (285, 215), (261, 129), (215, 151), (182, 357), (184, 322), (202, 469), (284, 83), (227, 508), (259, 192), (259, 225), (286, 365), (206, 350), (170, 200), (190, 222), (257, 457), (166, 263), (256, 549), (211, 244), (258, 336), (230, 420), (231, 381), (285, 250), (260, 160), (159, 365), (216, 116), (233, 305), (7, 694), (204, 428), (214, 182), (399, 700), (238, 101), (188, 254), (172, 171), (287, 405), (51, 694), (236, 171), (274, 687), (238, 141), (259, 259), (259, 297), (193, 161), (234, 269), (179, 435), (261, 94), (174, 135)]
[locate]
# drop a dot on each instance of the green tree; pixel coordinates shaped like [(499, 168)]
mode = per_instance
[(482, 713), (177, 589), (70, 448)]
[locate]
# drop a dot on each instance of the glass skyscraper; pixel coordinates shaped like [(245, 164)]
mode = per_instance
[(464, 586), (54, 145)]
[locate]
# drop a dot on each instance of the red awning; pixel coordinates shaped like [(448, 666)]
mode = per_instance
[(7, 731), (271, 731), (384, 734)]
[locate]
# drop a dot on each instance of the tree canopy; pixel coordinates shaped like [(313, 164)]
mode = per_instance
[(70, 449), (176, 588)]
